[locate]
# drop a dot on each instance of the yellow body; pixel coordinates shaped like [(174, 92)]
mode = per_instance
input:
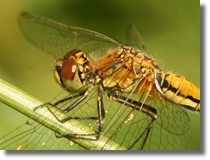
[(181, 91), (137, 72)]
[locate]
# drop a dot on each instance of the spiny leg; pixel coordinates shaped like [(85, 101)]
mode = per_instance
[(101, 114), (99, 118), (64, 100), (69, 98), (150, 111)]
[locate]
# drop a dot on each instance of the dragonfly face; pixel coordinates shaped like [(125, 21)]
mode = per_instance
[(123, 96), (72, 70)]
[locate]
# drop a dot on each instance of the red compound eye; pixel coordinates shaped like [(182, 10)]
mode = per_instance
[(69, 69)]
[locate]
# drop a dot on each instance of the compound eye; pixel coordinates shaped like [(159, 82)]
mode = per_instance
[(69, 69), (58, 67), (71, 53)]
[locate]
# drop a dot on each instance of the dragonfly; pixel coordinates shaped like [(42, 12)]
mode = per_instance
[(117, 90)]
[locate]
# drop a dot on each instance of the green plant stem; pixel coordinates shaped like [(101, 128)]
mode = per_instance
[(25, 103)]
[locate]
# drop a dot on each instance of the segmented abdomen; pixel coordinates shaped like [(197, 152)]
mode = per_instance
[(179, 90)]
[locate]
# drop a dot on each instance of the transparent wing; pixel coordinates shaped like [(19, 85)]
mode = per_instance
[(58, 39), (34, 136), (173, 127), (171, 131), (133, 39)]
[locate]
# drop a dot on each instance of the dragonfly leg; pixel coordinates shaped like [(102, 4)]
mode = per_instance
[(148, 110), (60, 101), (81, 97), (101, 114)]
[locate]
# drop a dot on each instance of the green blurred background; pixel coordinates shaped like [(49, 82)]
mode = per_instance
[(170, 30)]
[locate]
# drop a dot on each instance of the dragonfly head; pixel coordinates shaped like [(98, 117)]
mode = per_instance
[(70, 72)]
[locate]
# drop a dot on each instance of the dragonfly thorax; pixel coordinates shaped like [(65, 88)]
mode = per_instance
[(120, 70)]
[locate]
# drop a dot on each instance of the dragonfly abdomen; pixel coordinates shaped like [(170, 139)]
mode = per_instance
[(179, 90)]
